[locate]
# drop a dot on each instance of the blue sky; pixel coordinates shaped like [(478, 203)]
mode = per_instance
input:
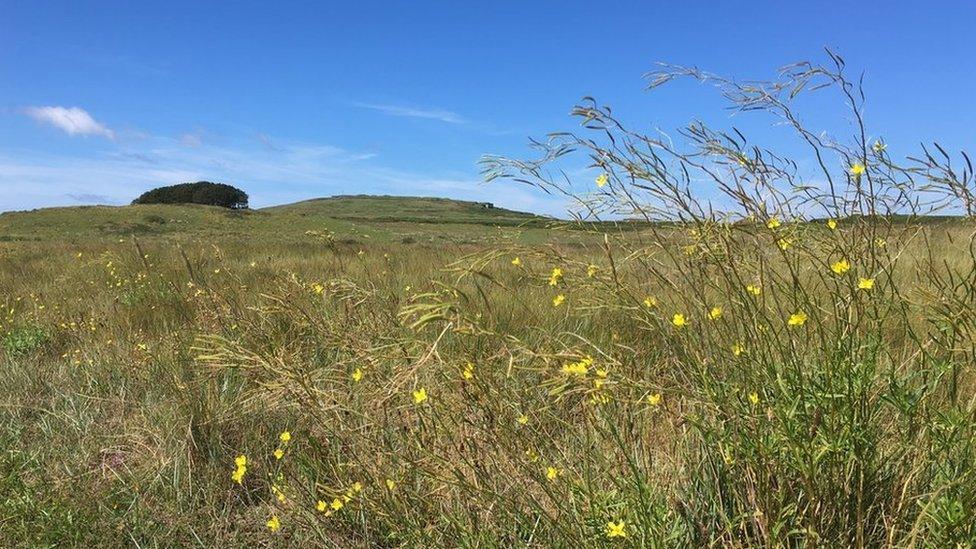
[(100, 101)]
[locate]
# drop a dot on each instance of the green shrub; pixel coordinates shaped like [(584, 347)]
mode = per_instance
[(201, 192), (24, 340)]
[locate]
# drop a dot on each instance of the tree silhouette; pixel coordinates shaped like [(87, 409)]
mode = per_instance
[(201, 192)]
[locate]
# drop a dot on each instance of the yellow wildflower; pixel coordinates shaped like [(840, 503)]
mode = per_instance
[(285, 436), (318, 288), (754, 289), (552, 473), (616, 529), (278, 493), (784, 243), (523, 419), (240, 463), (555, 276), (773, 223), (654, 399), (279, 453), (832, 224), (336, 504), (650, 302), (601, 378), (592, 270), (679, 320), (420, 395), (357, 375), (857, 170), (390, 484), (840, 267), (879, 146), (238, 474), (516, 262), (738, 349), (715, 313), (754, 398), (601, 180), (558, 300), (321, 506), (797, 319), (273, 523), (468, 372), (865, 284), (575, 368)]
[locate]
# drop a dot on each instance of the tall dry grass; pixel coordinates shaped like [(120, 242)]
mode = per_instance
[(777, 364)]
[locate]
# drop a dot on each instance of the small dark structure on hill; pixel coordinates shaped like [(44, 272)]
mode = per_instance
[(201, 192)]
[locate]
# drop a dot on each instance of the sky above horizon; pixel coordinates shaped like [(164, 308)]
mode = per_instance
[(290, 101)]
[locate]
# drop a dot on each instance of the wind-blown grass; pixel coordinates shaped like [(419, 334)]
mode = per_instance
[(784, 365)]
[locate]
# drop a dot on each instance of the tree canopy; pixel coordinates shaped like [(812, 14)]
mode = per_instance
[(201, 192)]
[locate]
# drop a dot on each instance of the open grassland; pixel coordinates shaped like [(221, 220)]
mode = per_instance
[(433, 392), (357, 219), (761, 361)]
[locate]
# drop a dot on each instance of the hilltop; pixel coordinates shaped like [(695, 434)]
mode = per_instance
[(406, 209), (347, 217)]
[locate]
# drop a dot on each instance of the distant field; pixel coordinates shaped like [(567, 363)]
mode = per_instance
[(352, 217)]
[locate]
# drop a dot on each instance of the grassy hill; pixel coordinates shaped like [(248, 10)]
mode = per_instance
[(407, 209), (346, 217), (349, 219)]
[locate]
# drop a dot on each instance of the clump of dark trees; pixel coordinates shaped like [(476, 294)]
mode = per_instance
[(201, 192)]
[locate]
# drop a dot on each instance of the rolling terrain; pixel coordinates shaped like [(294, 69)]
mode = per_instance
[(374, 215)]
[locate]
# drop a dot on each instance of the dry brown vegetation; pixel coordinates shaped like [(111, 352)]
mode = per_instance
[(816, 388)]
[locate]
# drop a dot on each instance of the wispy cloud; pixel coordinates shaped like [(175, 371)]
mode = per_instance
[(91, 198), (266, 140), (286, 171), (441, 115), (192, 139), (71, 120)]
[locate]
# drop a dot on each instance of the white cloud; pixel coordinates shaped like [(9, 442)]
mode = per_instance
[(72, 120), (410, 112)]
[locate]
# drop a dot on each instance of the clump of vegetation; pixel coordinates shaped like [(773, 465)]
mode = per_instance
[(764, 361), (23, 340), (201, 192)]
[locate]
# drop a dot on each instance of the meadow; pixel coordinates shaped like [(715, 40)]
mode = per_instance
[(792, 367)]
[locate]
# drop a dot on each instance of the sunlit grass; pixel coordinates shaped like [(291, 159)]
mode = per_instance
[(750, 376)]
